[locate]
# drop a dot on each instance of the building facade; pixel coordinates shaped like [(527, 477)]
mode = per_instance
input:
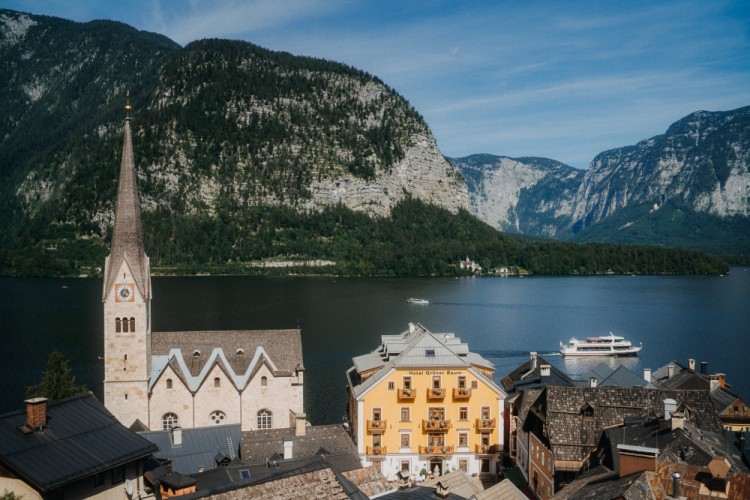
[(423, 402), (188, 378)]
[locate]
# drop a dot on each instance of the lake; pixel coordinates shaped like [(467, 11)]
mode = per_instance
[(676, 317)]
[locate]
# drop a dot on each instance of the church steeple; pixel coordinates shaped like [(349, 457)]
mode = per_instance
[(127, 236)]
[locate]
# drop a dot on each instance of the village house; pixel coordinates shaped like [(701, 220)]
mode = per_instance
[(188, 378), (422, 402), (71, 448)]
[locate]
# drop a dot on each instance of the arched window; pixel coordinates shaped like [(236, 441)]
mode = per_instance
[(264, 381), (169, 383), (264, 419), (118, 325), (125, 324), (217, 417), (132, 324), (217, 382), (168, 421)]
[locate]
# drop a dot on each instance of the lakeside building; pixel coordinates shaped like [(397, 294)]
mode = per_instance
[(71, 448), (190, 378), (422, 400)]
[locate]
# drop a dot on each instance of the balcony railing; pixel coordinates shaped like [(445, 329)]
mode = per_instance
[(435, 393), (436, 425), (486, 424), (484, 449), (376, 450), (461, 393), (442, 450), (406, 393), (376, 425)]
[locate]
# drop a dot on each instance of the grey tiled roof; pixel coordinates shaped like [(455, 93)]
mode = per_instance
[(82, 439), (619, 377), (127, 236), (557, 415), (199, 447), (259, 445), (504, 490)]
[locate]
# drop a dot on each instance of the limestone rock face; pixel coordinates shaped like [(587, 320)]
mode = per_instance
[(423, 173)]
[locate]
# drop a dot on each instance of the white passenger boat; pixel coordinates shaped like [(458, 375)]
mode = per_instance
[(611, 345), (418, 301)]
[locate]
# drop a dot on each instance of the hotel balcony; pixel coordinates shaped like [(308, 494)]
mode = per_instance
[(376, 425), (461, 393), (376, 450), (486, 424), (485, 449), (441, 450), (436, 425), (435, 393), (407, 394)]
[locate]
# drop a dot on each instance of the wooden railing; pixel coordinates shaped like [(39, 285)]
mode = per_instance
[(461, 393), (486, 424), (484, 449), (406, 393), (441, 450), (435, 393), (376, 425), (436, 425), (376, 450)]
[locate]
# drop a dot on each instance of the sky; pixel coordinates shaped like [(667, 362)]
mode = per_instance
[(559, 79)]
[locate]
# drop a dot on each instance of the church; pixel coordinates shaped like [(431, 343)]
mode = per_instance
[(161, 380)]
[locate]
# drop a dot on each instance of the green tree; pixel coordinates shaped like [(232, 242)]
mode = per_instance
[(57, 381)]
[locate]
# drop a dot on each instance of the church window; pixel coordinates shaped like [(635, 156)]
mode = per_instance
[(264, 419), (217, 382), (217, 417), (125, 325), (118, 325), (132, 324), (169, 383), (169, 420), (264, 381)]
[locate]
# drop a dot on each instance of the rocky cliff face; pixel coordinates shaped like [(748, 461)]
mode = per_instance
[(521, 195)]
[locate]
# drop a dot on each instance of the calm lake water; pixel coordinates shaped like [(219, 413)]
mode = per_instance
[(706, 318)]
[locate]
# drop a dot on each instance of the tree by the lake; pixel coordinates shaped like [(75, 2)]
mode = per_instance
[(57, 381)]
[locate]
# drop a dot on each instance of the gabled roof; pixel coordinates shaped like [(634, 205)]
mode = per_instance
[(416, 348), (81, 439), (618, 377), (239, 353), (127, 236), (556, 416), (199, 447), (529, 376), (259, 445)]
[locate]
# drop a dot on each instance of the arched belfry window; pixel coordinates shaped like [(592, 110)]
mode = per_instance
[(125, 325), (169, 420), (132, 324), (265, 419), (169, 383), (264, 381), (217, 382), (118, 325)]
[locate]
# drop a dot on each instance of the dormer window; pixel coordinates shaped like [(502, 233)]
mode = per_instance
[(587, 410), (240, 351), (196, 353)]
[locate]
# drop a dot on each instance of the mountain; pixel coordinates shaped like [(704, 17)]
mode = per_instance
[(244, 155), (688, 187)]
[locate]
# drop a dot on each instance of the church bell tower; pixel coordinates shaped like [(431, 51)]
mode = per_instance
[(127, 301)]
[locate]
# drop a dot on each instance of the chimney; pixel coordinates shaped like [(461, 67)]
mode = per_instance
[(691, 364), (177, 436), (670, 405), (300, 424), (544, 370), (670, 370), (36, 413), (676, 485), (288, 445), (678, 420), (704, 368), (592, 382), (647, 374), (533, 360)]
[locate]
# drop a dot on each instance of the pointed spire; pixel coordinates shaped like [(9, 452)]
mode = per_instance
[(127, 237)]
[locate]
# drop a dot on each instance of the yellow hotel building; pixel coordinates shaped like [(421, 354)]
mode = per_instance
[(422, 400)]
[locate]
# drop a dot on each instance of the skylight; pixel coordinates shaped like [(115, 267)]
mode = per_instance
[(430, 353)]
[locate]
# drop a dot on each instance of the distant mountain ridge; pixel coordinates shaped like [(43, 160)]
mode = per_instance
[(688, 187)]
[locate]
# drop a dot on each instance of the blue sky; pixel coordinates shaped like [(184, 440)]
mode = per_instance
[(560, 79)]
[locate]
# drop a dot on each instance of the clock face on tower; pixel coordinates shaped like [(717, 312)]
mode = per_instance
[(124, 293)]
